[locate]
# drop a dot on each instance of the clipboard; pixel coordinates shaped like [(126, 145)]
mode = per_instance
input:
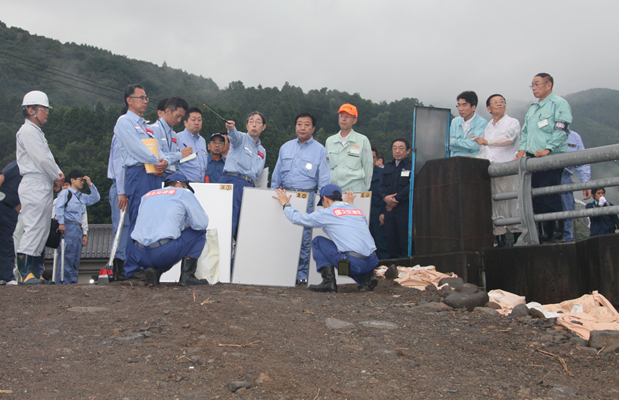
[(153, 147)]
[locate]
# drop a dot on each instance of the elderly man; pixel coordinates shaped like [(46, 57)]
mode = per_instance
[(574, 143), (131, 130), (500, 142), (190, 137), (545, 131), (465, 128), (178, 232), (350, 154), (302, 166), (40, 173)]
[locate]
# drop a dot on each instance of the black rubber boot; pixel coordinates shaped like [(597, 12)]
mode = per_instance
[(36, 271), (368, 282), (188, 273), (24, 266), (328, 280), (118, 267), (152, 276), (542, 232), (500, 240), (557, 231)]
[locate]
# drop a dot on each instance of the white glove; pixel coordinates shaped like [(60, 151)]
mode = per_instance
[(602, 201)]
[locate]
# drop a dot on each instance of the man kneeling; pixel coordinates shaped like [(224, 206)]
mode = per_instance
[(351, 248), (171, 225)]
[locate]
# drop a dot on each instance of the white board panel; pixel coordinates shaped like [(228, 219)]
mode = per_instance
[(268, 244), (263, 180), (216, 200), (364, 202)]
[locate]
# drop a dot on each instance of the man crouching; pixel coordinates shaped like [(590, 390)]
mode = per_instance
[(171, 225), (351, 248)]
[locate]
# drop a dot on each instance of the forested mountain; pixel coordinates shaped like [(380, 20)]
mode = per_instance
[(85, 86)]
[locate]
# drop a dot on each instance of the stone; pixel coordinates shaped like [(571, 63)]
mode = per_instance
[(465, 299), (485, 310), (263, 378), (236, 385), (333, 323), (547, 338), (600, 339), (380, 324), (561, 392), (537, 314), (445, 291), (521, 310), (87, 309), (452, 282), (587, 349), (611, 348), (391, 272), (432, 307), (578, 341), (130, 336), (431, 288)]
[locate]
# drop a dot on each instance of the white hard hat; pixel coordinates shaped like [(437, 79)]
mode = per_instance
[(35, 98)]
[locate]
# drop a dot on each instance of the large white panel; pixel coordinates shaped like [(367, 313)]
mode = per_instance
[(268, 244), (364, 202), (216, 200)]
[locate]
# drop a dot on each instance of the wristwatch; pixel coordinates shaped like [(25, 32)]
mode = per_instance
[(286, 205)]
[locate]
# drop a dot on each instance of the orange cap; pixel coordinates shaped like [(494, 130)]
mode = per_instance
[(349, 109)]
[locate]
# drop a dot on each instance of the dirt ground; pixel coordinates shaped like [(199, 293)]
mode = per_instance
[(123, 341)]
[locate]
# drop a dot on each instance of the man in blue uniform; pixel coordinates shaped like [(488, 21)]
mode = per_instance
[(118, 203), (193, 169), (245, 160), (604, 224), (178, 232), (130, 130), (377, 211), (394, 189), (9, 211), (216, 159), (545, 131), (175, 109), (350, 247), (302, 166), (574, 143), (465, 128), (70, 208)]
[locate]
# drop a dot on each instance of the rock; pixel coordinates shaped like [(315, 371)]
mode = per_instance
[(485, 310), (53, 331), (465, 297), (559, 337), (546, 338), (587, 349), (537, 314), (432, 307), (521, 310), (130, 336), (492, 305), (611, 348), (561, 392), (380, 324), (236, 385), (87, 309), (578, 341), (452, 282), (445, 291), (391, 272), (147, 334), (333, 323), (431, 288), (599, 339), (262, 378)]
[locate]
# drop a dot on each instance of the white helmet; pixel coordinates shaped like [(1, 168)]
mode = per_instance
[(35, 98)]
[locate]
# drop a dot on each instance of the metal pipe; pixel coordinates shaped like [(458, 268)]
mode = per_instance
[(556, 161), (608, 182), (588, 212), (110, 262)]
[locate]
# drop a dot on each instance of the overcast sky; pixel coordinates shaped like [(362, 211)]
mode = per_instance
[(383, 50)]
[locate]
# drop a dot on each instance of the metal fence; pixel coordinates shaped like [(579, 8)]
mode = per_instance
[(525, 167)]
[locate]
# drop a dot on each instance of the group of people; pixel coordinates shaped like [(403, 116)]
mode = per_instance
[(152, 168), (502, 139)]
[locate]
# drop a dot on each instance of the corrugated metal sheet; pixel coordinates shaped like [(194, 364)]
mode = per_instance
[(100, 238)]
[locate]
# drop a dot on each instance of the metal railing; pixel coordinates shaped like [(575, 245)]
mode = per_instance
[(524, 167)]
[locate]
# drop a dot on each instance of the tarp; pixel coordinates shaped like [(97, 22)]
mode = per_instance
[(417, 277)]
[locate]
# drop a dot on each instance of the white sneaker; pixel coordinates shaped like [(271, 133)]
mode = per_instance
[(13, 282)]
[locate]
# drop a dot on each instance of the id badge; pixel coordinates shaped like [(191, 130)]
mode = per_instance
[(542, 124), (405, 174)]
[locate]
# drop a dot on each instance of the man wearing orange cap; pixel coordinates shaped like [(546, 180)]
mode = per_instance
[(350, 154)]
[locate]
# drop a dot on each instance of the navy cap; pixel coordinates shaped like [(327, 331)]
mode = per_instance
[(217, 134), (329, 190), (179, 177)]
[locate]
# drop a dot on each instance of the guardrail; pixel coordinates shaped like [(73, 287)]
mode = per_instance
[(524, 167)]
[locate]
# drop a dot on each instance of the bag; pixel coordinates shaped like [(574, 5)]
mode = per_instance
[(53, 239)]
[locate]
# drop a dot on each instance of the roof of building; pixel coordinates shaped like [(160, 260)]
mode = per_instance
[(100, 239)]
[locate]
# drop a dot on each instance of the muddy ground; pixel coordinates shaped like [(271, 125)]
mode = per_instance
[(123, 341)]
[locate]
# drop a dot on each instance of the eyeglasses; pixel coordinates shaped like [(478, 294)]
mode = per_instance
[(44, 109), (254, 122), (535, 84), (143, 98), (495, 102), (460, 105), (217, 143)]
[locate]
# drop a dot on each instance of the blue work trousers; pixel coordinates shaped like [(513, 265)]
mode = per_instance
[(137, 184), (189, 244), (567, 199), (72, 254), (396, 229), (305, 245), (8, 221), (122, 244), (237, 197), (325, 253)]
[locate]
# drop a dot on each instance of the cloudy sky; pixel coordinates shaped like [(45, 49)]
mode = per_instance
[(383, 50)]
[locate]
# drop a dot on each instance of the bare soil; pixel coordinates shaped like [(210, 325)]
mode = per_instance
[(126, 341)]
